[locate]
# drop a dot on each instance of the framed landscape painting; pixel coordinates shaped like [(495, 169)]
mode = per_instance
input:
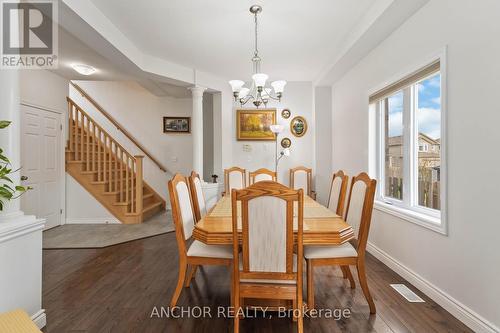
[(176, 125), (255, 125)]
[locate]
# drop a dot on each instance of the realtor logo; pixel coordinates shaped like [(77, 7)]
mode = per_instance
[(29, 34)]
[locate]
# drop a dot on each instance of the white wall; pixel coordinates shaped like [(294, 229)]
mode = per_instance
[(141, 113), (463, 266), (82, 207), (298, 97), (323, 120), (45, 89)]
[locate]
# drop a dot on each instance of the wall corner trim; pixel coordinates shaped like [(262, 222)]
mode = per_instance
[(473, 320)]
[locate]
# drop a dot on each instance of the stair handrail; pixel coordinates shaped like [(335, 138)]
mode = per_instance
[(118, 126)]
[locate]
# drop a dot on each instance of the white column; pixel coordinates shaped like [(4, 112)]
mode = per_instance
[(197, 128), (10, 137), (20, 235)]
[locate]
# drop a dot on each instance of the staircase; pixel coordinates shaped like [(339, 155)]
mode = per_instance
[(107, 171)]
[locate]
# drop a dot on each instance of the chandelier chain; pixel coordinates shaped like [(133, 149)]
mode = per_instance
[(256, 53)]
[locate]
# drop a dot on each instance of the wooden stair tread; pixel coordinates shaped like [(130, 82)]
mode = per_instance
[(124, 203), (151, 206)]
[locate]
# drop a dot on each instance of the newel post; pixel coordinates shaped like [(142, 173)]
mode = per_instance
[(138, 183)]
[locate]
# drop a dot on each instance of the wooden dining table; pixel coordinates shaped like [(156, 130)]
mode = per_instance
[(321, 225)]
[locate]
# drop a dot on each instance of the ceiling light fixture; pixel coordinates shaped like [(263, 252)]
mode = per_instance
[(84, 69), (257, 93)]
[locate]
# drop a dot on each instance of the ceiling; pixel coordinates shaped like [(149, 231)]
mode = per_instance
[(297, 39), (73, 51)]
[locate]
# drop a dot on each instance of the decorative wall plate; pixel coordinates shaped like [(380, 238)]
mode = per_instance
[(298, 126), (286, 143), (285, 113)]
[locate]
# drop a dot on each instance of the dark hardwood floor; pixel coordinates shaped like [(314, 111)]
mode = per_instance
[(115, 289)]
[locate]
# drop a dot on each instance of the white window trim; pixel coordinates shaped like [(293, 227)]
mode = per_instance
[(431, 219)]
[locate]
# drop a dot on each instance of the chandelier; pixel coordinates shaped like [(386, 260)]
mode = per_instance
[(258, 93)]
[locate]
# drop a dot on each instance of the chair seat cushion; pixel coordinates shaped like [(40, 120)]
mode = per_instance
[(199, 249), (268, 280), (324, 252)]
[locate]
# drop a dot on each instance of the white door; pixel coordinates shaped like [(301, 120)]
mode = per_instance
[(41, 163)]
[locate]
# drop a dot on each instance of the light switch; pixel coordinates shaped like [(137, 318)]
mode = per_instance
[(247, 148)]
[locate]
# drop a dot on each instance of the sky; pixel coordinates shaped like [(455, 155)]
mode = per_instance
[(428, 115)]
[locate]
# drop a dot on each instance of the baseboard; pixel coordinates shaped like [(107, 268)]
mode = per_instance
[(457, 309), (92, 220), (40, 319)]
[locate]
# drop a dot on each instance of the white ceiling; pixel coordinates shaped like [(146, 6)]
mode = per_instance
[(73, 51), (298, 39)]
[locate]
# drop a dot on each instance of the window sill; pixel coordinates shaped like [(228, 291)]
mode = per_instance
[(426, 221)]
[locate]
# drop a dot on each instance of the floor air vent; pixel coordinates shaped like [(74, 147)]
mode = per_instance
[(407, 293)]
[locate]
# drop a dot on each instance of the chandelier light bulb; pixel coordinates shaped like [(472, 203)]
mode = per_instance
[(278, 86), (236, 85), (260, 79), (243, 93)]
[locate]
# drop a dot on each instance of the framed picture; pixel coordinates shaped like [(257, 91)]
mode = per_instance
[(286, 143), (255, 125), (298, 126), (286, 113), (176, 125)]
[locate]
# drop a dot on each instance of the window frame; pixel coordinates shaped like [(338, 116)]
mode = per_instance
[(408, 208)]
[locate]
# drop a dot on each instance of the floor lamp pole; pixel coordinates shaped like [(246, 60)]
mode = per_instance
[(276, 157)]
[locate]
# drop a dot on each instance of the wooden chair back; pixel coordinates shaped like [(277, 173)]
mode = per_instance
[(261, 174), (182, 210), (360, 207), (338, 189), (267, 225), (236, 178), (199, 203), (300, 178)]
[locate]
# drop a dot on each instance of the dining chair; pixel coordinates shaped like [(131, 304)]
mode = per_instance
[(267, 267), (300, 177), (197, 253), (358, 215), (338, 188), (199, 204), (234, 177), (261, 174)]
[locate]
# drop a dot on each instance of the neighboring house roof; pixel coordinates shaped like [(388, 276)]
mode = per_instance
[(428, 139), (398, 140)]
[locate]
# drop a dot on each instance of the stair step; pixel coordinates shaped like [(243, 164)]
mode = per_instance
[(107, 181), (107, 172), (151, 207), (126, 203), (147, 208)]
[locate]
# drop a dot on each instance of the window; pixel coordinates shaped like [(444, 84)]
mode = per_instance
[(409, 153), (428, 124), (393, 133)]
